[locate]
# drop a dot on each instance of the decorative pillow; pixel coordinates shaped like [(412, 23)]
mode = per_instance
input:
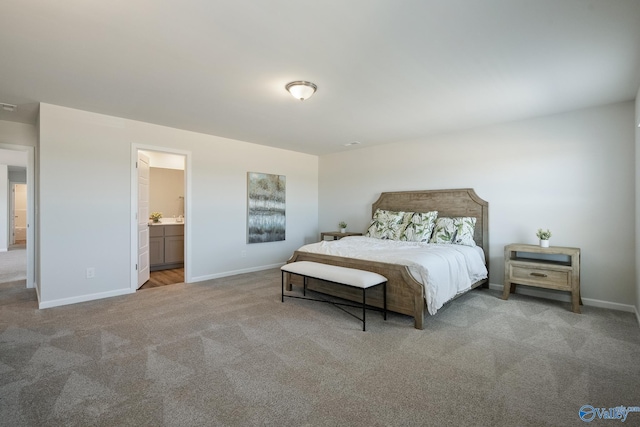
[(385, 224), (418, 226), (458, 231)]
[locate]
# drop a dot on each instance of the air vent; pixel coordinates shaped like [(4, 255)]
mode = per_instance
[(8, 107)]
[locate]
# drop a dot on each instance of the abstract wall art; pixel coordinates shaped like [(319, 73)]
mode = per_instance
[(266, 207)]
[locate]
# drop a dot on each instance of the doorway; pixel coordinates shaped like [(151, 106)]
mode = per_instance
[(18, 260), (160, 246), (18, 216)]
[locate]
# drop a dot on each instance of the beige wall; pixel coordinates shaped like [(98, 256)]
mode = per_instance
[(86, 212), (166, 191), (573, 173), (570, 172), (18, 133)]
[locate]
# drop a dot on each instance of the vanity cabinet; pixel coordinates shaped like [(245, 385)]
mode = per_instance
[(166, 246)]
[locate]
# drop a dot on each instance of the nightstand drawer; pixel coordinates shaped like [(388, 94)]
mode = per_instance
[(543, 277)]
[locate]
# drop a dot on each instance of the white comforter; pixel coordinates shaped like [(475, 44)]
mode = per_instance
[(444, 270)]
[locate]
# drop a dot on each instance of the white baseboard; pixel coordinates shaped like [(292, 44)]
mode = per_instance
[(566, 297), (83, 298), (608, 304), (234, 272)]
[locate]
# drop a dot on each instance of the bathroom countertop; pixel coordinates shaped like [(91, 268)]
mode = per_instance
[(166, 221)]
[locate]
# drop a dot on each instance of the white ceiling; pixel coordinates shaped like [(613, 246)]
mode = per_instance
[(386, 70)]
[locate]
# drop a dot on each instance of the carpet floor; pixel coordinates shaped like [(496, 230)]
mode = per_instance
[(227, 352), (13, 264)]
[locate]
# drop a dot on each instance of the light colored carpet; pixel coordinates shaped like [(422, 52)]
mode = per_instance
[(228, 353), (13, 264)]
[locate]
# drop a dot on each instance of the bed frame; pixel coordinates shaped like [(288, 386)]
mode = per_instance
[(404, 294)]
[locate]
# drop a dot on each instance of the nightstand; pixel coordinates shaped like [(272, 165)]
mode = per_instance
[(337, 235), (555, 267)]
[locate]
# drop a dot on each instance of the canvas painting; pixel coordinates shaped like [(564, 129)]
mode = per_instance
[(266, 207)]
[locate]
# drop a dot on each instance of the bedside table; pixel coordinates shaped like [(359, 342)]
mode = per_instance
[(337, 235), (521, 267)]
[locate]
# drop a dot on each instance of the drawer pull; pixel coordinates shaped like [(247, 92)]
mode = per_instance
[(538, 275)]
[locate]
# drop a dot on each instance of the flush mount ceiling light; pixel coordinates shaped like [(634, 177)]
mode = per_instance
[(301, 90)]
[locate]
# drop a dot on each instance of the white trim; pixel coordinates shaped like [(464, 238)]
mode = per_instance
[(234, 272), (83, 298), (566, 297), (37, 288), (608, 304), (637, 314), (11, 219), (134, 209)]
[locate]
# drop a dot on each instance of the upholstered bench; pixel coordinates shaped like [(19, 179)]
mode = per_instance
[(340, 275)]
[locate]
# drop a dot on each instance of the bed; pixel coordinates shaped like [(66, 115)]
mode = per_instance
[(406, 294)]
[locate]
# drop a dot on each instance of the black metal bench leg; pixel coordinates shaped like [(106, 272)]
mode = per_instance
[(282, 286), (364, 310), (384, 298)]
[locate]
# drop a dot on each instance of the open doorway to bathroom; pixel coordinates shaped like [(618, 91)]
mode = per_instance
[(162, 212), (18, 217)]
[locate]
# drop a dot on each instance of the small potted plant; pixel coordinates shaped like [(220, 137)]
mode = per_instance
[(343, 226), (544, 237), (155, 216)]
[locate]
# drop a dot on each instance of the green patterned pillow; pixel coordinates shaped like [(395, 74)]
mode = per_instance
[(458, 231), (418, 226), (385, 224)]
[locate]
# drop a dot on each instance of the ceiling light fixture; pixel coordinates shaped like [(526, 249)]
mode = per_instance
[(8, 107), (301, 90)]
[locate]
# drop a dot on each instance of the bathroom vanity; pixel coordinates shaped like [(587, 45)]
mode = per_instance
[(166, 246)]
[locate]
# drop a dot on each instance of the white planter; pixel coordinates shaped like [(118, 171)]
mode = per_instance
[(343, 230), (544, 243)]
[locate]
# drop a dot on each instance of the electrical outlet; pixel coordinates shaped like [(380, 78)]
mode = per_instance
[(91, 272), (243, 254)]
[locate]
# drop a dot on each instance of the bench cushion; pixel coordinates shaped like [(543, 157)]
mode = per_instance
[(334, 273)]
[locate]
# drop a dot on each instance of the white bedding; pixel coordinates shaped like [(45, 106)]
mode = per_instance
[(445, 270)]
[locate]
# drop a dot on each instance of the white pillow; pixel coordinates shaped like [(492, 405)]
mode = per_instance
[(457, 231), (385, 224)]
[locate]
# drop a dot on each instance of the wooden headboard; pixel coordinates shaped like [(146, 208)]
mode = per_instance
[(451, 203)]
